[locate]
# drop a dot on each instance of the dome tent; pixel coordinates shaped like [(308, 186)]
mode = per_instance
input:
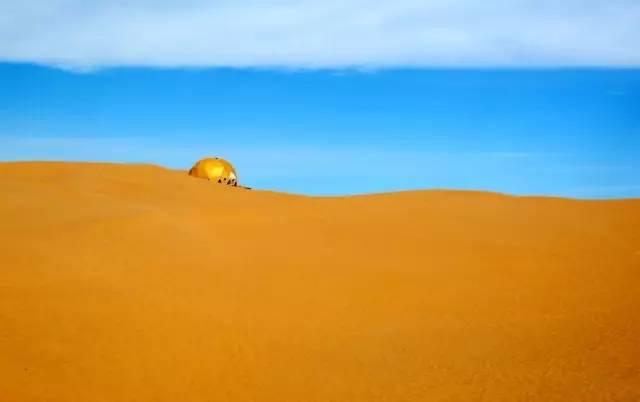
[(215, 169)]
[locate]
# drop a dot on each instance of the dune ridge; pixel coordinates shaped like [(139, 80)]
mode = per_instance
[(139, 283)]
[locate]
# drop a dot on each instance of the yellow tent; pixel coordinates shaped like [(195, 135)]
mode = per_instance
[(215, 169)]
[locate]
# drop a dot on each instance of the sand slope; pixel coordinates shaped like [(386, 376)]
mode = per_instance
[(135, 283)]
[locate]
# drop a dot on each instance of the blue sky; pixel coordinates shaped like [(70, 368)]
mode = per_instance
[(333, 96), (567, 132)]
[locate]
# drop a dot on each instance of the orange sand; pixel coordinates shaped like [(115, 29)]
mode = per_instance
[(135, 283)]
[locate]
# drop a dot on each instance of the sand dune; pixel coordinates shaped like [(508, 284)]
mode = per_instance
[(127, 283)]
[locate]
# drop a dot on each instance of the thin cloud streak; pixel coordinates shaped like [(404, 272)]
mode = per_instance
[(320, 34), (109, 148), (265, 164)]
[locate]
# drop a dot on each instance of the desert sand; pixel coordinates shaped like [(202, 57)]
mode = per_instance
[(136, 283)]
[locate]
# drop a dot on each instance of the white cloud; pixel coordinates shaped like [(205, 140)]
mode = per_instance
[(321, 33)]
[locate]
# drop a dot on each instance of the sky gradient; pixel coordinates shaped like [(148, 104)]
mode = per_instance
[(564, 132)]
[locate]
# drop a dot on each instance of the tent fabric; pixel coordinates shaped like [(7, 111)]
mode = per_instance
[(215, 169)]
